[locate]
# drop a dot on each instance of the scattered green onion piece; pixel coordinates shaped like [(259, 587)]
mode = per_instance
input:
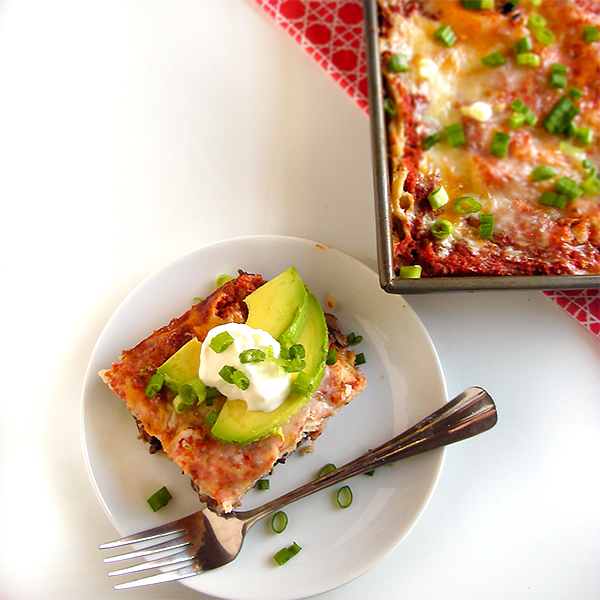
[(560, 116), (466, 204), (570, 130), (252, 355), (398, 63), (211, 418), (528, 59), (226, 373), (584, 136), (516, 120), (438, 197), (568, 149), (390, 106), (478, 4), (279, 521), (445, 35), (558, 80), (331, 357), (543, 172), (360, 359), (344, 497), (222, 279), (263, 484), (586, 163), (551, 199), (211, 394), (286, 553), (523, 45), (431, 140), (442, 229), (495, 59), (221, 342), (303, 384), (591, 186), (240, 380), (544, 36), (154, 385), (159, 499), (187, 395), (500, 144), (326, 469), (455, 135), (520, 107), (575, 93), (410, 272), (486, 226), (354, 339), (535, 22), (369, 473), (568, 187), (591, 34)]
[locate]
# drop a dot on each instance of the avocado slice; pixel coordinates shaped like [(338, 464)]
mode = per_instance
[(182, 366), (236, 424), (279, 306)]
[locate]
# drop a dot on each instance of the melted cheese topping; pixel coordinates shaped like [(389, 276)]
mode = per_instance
[(452, 85)]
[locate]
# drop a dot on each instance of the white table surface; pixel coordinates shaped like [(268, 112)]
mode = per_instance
[(134, 131)]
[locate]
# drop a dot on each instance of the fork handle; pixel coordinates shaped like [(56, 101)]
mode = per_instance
[(468, 414)]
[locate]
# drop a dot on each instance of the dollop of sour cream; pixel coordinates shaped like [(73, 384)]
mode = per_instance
[(269, 384)]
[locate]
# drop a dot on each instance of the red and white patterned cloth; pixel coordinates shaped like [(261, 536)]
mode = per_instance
[(331, 31)]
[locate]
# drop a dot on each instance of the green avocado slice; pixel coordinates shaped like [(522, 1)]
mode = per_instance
[(236, 424), (182, 366)]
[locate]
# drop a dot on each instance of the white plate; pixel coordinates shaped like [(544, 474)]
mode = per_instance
[(405, 383)]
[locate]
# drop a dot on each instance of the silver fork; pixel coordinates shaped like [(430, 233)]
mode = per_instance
[(204, 540)]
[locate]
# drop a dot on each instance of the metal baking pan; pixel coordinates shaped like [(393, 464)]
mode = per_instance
[(388, 278)]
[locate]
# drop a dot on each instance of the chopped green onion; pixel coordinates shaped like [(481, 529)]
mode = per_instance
[(222, 279), (455, 134), (286, 553), (568, 187), (495, 59), (478, 4), (390, 106), (560, 116), (354, 339), (159, 499), (535, 22), (438, 197), (221, 342), (360, 357), (486, 226), (466, 204), (568, 149), (211, 418), (279, 521), (240, 380), (543, 172), (370, 473), (398, 63), (528, 59), (445, 35), (500, 144), (544, 36), (442, 229), (252, 355), (558, 75), (226, 373), (154, 385), (523, 45), (344, 497), (591, 186), (584, 136), (211, 394), (331, 357), (551, 199), (431, 140), (263, 484), (326, 469), (187, 395), (520, 107), (575, 93), (303, 384), (591, 34), (570, 130), (586, 163), (516, 120), (410, 271)]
